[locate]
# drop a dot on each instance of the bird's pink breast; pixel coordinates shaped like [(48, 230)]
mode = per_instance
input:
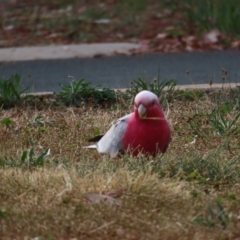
[(146, 136)]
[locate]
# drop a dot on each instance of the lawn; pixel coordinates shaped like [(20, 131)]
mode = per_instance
[(51, 188)]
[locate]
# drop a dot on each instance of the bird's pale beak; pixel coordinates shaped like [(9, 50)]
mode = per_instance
[(142, 111)]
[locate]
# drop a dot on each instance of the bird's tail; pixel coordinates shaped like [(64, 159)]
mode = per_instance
[(90, 146)]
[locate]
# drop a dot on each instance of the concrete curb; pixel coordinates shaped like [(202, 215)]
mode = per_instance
[(65, 51), (207, 86), (180, 87)]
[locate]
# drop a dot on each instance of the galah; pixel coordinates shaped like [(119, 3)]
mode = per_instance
[(146, 130)]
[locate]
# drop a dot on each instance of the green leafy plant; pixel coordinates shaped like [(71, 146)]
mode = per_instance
[(221, 123), (39, 122), (4, 214), (222, 117), (227, 98), (163, 89), (7, 122), (81, 92), (192, 94), (11, 91), (196, 123), (28, 159)]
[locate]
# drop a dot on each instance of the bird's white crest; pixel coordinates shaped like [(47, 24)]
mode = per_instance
[(145, 95)]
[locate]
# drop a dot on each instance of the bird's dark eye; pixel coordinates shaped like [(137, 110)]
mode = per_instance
[(153, 102)]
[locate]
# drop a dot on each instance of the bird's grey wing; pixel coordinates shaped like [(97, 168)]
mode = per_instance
[(111, 142)]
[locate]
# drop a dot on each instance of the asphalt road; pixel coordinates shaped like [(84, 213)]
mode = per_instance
[(118, 71)]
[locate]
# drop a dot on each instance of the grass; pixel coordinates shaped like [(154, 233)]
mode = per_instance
[(70, 21), (68, 192), (213, 14), (73, 21)]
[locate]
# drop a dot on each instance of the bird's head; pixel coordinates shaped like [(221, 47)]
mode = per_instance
[(147, 106)]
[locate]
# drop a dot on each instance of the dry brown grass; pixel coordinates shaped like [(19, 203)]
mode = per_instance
[(158, 199)]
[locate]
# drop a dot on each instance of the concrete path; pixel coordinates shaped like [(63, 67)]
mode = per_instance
[(64, 51), (116, 71)]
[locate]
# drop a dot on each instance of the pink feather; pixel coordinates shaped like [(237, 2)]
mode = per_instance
[(148, 135)]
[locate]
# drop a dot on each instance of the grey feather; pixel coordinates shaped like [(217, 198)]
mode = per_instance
[(111, 142)]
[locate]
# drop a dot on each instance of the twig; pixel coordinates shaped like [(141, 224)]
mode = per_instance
[(101, 227)]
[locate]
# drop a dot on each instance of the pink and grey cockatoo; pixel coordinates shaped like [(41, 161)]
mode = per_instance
[(146, 130)]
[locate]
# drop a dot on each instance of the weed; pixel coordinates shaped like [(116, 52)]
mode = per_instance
[(7, 122), (27, 160), (226, 98), (39, 122), (222, 123), (199, 124), (11, 91), (29, 156), (3, 214), (163, 89), (193, 95), (80, 93)]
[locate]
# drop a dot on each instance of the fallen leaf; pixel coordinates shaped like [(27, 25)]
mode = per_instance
[(93, 198), (236, 44), (103, 21), (116, 192), (189, 39), (161, 35), (81, 10), (211, 37), (144, 46), (9, 28), (121, 232), (189, 48), (53, 35)]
